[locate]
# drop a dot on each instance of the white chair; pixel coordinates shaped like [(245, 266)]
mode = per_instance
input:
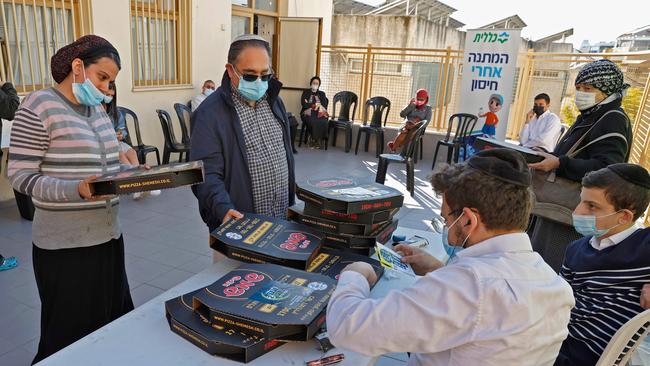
[(621, 347)]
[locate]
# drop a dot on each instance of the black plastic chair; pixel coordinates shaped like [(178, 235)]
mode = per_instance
[(344, 120), (183, 112), (464, 127), (405, 157), (380, 108), (140, 148), (171, 144)]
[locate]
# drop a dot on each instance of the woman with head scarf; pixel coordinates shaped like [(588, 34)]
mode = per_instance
[(61, 140), (314, 112), (417, 111), (602, 135)]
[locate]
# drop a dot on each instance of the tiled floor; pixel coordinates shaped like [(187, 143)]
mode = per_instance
[(166, 243)]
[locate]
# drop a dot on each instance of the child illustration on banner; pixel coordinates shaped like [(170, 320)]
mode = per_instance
[(491, 119)]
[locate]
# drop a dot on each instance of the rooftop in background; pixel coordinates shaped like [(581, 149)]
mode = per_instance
[(431, 10), (511, 22)]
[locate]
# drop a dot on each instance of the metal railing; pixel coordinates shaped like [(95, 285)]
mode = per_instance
[(396, 73), (161, 42), (32, 31)]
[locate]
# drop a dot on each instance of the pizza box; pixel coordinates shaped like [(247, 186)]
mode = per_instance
[(349, 195), (382, 235), (144, 180), (214, 339), (261, 239), (365, 219), (531, 156), (297, 213), (267, 300), (331, 262)]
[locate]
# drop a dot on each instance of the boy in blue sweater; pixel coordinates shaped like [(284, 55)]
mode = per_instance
[(608, 268)]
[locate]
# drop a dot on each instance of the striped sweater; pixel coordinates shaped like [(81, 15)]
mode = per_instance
[(607, 287), (54, 145)]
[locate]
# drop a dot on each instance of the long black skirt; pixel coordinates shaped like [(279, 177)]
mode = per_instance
[(81, 290), (317, 127)]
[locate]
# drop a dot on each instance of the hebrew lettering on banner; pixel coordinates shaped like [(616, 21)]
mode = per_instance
[(489, 67)]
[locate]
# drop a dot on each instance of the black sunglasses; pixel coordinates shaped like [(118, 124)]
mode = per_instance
[(251, 78)]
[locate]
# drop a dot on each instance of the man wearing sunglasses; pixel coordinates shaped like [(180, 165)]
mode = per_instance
[(496, 302), (241, 132)]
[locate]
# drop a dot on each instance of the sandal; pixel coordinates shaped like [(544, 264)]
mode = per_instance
[(8, 263)]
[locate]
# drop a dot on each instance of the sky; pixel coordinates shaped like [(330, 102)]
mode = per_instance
[(595, 20)]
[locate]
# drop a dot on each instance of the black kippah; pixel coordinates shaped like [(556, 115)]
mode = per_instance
[(632, 173), (503, 164)]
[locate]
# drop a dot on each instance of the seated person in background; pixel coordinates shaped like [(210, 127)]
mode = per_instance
[(127, 154), (609, 266), (543, 127), (496, 302), (207, 89), (418, 110), (314, 114)]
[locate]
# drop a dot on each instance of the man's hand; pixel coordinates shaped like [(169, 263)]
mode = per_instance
[(421, 261), (232, 214), (530, 115), (645, 296), (549, 163), (364, 269)]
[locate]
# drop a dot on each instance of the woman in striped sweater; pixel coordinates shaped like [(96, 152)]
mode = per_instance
[(61, 140)]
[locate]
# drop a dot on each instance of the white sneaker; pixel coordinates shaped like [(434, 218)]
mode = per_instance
[(137, 195), (155, 193)]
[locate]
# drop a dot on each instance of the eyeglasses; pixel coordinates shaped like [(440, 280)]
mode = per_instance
[(438, 223), (251, 77)]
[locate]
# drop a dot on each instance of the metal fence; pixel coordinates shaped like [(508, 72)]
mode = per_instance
[(396, 73)]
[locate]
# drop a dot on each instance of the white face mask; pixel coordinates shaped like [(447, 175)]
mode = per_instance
[(314, 87), (585, 100)]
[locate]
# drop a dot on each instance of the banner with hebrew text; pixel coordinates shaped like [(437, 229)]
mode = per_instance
[(487, 86)]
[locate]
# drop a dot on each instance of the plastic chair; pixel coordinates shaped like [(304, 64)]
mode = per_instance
[(183, 112), (464, 127), (380, 110), (171, 144), (140, 148), (563, 129), (625, 341), (405, 157), (344, 120)]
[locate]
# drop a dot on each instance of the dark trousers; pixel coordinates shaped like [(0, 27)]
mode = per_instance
[(81, 290), (575, 353)]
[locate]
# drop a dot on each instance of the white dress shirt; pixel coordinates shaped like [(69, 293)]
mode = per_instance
[(197, 101), (496, 303), (600, 244), (542, 131)]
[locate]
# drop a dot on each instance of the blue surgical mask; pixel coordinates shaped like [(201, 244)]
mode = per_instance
[(87, 93), (252, 90), (586, 225), (108, 99), (451, 250), (208, 91)]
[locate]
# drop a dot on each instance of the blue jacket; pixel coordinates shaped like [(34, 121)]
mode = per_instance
[(217, 138)]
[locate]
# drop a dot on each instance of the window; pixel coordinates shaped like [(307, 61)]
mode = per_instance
[(379, 68), (31, 32), (254, 16), (160, 42)]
